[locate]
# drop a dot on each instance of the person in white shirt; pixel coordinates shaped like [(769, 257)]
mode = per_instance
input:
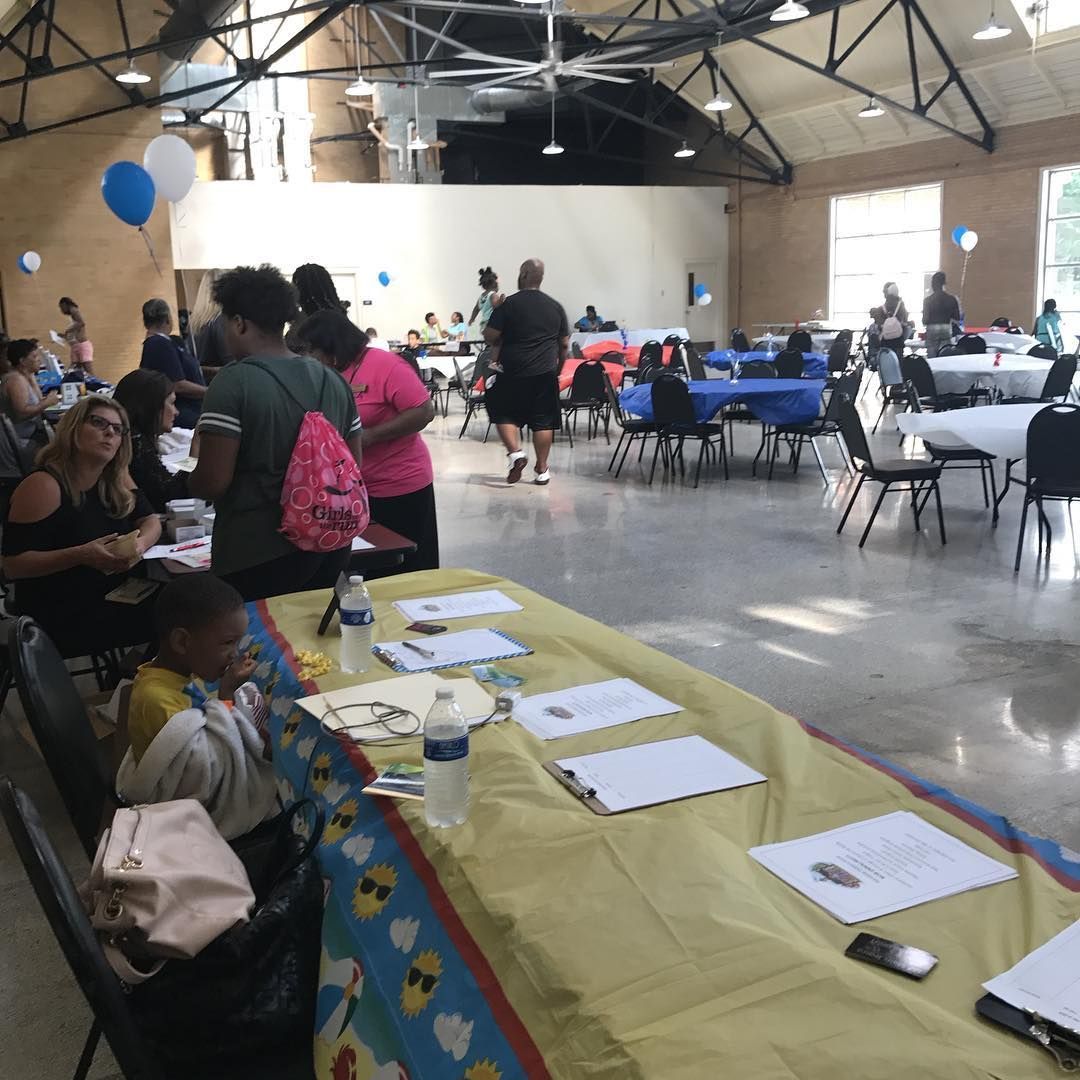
[(375, 341)]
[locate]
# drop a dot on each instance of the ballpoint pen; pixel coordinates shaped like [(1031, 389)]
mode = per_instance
[(427, 654)]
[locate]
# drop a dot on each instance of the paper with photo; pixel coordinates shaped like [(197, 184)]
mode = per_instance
[(875, 867), (589, 708), (456, 605), (659, 772)]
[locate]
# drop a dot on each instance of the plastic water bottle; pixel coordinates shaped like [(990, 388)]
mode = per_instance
[(357, 620), (446, 762)]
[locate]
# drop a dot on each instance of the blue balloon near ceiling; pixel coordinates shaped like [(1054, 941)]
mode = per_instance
[(384, 278), (128, 192)]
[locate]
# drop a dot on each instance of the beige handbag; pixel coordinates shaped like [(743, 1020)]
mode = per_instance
[(164, 884)]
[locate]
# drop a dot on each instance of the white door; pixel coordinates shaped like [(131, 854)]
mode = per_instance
[(345, 283), (703, 323)]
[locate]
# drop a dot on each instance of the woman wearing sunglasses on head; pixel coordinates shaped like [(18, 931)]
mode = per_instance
[(60, 522)]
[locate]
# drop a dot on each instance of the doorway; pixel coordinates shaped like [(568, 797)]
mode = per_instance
[(703, 323)]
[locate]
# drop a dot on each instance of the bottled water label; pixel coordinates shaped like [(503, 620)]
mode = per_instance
[(446, 749), (363, 617)]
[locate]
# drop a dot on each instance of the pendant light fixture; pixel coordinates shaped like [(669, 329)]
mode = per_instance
[(360, 88), (718, 103), (870, 110), (685, 151), (417, 141), (789, 11), (552, 147), (993, 29), (132, 75)]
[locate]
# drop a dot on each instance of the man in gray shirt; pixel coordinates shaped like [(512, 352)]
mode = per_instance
[(940, 309)]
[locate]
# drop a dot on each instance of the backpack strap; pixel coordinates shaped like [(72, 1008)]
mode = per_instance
[(269, 371)]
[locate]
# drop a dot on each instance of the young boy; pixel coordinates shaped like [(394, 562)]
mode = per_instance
[(185, 745)]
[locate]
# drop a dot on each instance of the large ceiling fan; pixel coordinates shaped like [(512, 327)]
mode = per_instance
[(550, 67)]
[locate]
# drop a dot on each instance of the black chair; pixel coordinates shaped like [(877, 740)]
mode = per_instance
[(1059, 381), (959, 457), (474, 399), (647, 370), (629, 430), (753, 369), (919, 477), (1053, 467), (757, 369), (136, 1056), (695, 366), (673, 414), (840, 353), (1043, 351), (672, 339), (739, 341), (58, 719), (677, 363), (828, 424), (789, 364), (587, 394), (801, 340), (915, 370), (613, 356), (652, 351), (970, 344), (891, 383), (575, 351)]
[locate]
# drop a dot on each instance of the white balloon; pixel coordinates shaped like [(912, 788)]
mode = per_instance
[(32, 261), (171, 165), (705, 299), (969, 240)]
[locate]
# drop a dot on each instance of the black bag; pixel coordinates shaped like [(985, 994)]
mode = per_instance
[(254, 987)]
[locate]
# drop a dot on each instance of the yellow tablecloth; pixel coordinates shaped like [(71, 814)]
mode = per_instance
[(649, 944)]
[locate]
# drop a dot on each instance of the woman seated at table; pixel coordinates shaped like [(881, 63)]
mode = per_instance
[(59, 525), (150, 402), (22, 397), (458, 328), (394, 407)]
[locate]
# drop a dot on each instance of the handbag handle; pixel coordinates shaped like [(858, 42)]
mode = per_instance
[(285, 827)]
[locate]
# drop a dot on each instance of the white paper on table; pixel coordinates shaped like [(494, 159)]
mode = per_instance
[(589, 708), (360, 544), (188, 549), (453, 650), (875, 867), (457, 605), (1046, 981), (659, 772), (413, 692)]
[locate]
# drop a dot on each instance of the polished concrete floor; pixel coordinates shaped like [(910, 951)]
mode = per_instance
[(939, 658)]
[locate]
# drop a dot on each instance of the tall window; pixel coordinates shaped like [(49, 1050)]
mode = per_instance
[(1059, 276), (882, 236)]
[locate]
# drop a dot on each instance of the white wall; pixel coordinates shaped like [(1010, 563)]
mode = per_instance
[(624, 249)]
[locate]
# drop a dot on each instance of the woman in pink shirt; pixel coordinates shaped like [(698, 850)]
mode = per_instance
[(394, 407)]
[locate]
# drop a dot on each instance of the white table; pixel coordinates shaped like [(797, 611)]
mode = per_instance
[(633, 337), (822, 341), (1000, 430), (1013, 376), (999, 341)]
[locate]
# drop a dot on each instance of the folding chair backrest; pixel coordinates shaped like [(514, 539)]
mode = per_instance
[(889, 368), (1059, 378), (672, 339), (801, 340), (587, 383), (462, 386), (409, 356), (948, 350), (789, 364), (1043, 352), (1053, 446), (575, 351), (481, 367), (915, 369), (613, 401), (677, 363), (695, 367), (64, 911), (650, 373), (847, 386), (739, 341), (61, 726), (671, 401), (852, 430), (914, 401), (757, 369), (612, 356), (651, 350), (840, 352), (971, 343)]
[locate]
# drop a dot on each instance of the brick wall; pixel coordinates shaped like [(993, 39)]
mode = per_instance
[(50, 202), (780, 236)]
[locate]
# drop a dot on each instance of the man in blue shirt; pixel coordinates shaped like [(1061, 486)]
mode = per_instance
[(161, 353)]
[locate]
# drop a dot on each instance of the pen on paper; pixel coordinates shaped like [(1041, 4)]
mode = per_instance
[(427, 654)]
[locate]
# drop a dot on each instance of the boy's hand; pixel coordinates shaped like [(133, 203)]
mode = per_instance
[(235, 676)]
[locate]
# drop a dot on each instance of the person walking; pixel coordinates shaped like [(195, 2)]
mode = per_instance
[(489, 299), (1048, 326), (939, 311), (530, 339), (82, 348), (892, 319)]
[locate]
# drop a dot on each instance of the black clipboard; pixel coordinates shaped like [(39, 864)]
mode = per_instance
[(1061, 1042), (572, 784)]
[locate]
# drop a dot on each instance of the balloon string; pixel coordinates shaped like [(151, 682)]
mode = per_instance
[(150, 248), (963, 272)]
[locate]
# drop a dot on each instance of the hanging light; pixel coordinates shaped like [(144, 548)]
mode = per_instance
[(993, 29), (552, 147), (360, 88), (718, 104), (685, 151), (417, 142), (789, 11), (870, 110), (132, 75)]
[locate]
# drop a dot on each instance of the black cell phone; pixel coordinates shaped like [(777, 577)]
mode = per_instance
[(426, 628), (906, 959)]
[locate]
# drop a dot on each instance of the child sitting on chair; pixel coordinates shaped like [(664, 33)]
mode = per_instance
[(184, 744)]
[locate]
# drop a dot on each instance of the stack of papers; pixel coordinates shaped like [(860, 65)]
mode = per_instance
[(193, 553), (1046, 981), (450, 650), (589, 708), (456, 606), (876, 867)]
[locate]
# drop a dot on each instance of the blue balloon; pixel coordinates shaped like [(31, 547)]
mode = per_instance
[(384, 278), (23, 267), (957, 233), (700, 289), (128, 191)]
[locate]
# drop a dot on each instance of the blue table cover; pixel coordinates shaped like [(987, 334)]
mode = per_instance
[(773, 401), (815, 364)]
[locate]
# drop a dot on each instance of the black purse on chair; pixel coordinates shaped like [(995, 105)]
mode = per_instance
[(254, 987)]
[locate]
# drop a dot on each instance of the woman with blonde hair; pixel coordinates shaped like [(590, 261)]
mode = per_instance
[(75, 526), (207, 327)]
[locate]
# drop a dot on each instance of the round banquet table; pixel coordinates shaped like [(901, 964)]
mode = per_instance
[(1000, 430), (815, 364), (1014, 376), (773, 401)]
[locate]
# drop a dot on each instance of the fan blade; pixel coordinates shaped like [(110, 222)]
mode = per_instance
[(618, 67), (489, 58), (588, 73), (499, 82), (479, 71), (609, 54)]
